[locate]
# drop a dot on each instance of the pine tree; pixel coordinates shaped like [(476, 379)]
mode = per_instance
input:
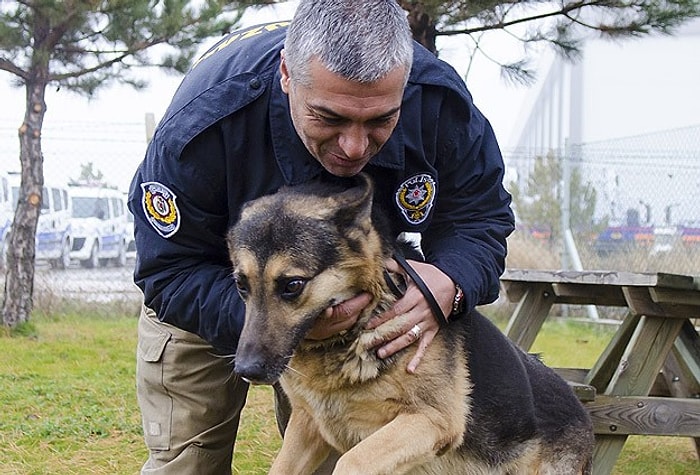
[(563, 25), (84, 45)]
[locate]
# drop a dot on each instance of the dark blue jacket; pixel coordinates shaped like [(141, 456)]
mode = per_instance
[(227, 137)]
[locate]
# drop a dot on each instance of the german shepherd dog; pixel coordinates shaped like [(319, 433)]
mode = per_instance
[(476, 405)]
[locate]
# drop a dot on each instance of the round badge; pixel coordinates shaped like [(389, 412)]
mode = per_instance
[(415, 197), (160, 208)]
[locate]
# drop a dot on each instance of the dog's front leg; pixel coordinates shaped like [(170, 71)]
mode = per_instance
[(303, 449), (406, 442)]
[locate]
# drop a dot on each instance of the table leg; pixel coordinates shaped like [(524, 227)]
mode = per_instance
[(530, 314), (641, 362), (602, 372), (682, 368)]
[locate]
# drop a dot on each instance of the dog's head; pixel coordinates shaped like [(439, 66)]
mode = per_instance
[(296, 253)]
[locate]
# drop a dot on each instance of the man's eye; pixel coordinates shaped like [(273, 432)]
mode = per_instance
[(381, 121), (331, 120), (293, 288)]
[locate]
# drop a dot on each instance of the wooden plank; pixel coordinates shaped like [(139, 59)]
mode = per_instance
[(584, 392), (679, 378), (606, 451), (530, 314), (640, 301), (581, 277), (687, 347), (683, 367), (579, 375), (632, 279), (585, 294), (608, 362), (676, 281), (515, 290), (691, 298), (673, 310), (627, 415), (574, 375), (639, 366), (644, 356)]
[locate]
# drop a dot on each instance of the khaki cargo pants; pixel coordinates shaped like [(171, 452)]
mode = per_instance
[(190, 402)]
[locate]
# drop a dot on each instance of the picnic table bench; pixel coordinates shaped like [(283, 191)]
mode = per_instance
[(647, 380)]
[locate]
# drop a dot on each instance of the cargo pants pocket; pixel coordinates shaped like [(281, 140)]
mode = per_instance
[(154, 400)]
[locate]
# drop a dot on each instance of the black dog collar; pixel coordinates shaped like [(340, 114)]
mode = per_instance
[(422, 287)]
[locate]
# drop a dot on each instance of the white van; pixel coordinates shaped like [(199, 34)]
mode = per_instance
[(7, 212), (99, 224), (53, 231)]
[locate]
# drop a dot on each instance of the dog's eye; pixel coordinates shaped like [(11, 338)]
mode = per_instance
[(292, 288), (241, 285)]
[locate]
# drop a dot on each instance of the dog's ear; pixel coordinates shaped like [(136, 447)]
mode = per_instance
[(353, 207)]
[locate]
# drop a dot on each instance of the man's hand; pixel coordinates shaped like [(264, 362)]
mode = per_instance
[(339, 317), (419, 321)]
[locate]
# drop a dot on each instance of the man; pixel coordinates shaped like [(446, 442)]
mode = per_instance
[(330, 96)]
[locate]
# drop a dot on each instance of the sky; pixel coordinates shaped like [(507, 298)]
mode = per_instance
[(75, 127)]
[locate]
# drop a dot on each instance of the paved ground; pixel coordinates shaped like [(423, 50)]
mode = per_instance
[(102, 284)]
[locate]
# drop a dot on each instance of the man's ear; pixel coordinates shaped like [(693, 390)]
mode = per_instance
[(284, 72)]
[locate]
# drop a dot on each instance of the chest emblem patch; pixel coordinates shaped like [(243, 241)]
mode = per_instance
[(160, 208), (415, 197)]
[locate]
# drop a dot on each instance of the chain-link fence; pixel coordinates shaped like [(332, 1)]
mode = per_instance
[(84, 237), (633, 204)]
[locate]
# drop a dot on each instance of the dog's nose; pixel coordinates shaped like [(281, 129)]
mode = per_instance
[(254, 372)]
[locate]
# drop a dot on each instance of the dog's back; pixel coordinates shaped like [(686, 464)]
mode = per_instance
[(477, 404)]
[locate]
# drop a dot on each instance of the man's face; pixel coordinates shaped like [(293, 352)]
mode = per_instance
[(343, 123)]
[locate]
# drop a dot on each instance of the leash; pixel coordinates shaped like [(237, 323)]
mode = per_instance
[(397, 289), (421, 286)]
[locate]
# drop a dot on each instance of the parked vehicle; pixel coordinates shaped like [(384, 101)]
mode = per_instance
[(6, 216), (130, 240), (690, 236), (99, 222), (53, 232), (624, 239)]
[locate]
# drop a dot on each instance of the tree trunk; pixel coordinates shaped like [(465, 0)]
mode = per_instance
[(422, 25), (19, 278)]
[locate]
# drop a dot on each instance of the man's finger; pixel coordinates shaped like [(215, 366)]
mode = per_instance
[(422, 347), (351, 307), (392, 266), (339, 317)]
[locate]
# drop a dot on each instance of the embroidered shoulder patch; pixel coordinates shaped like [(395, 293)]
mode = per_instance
[(415, 197), (160, 208)]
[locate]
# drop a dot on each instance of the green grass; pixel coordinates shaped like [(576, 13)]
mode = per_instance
[(68, 401)]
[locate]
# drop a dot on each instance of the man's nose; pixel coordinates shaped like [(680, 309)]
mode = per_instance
[(354, 141)]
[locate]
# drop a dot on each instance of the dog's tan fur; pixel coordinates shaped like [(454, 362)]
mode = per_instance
[(295, 254)]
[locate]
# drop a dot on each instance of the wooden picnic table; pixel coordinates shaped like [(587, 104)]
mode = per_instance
[(647, 380)]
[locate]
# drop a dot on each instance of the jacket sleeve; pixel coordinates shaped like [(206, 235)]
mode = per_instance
[(472, 216), (186, 277)]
